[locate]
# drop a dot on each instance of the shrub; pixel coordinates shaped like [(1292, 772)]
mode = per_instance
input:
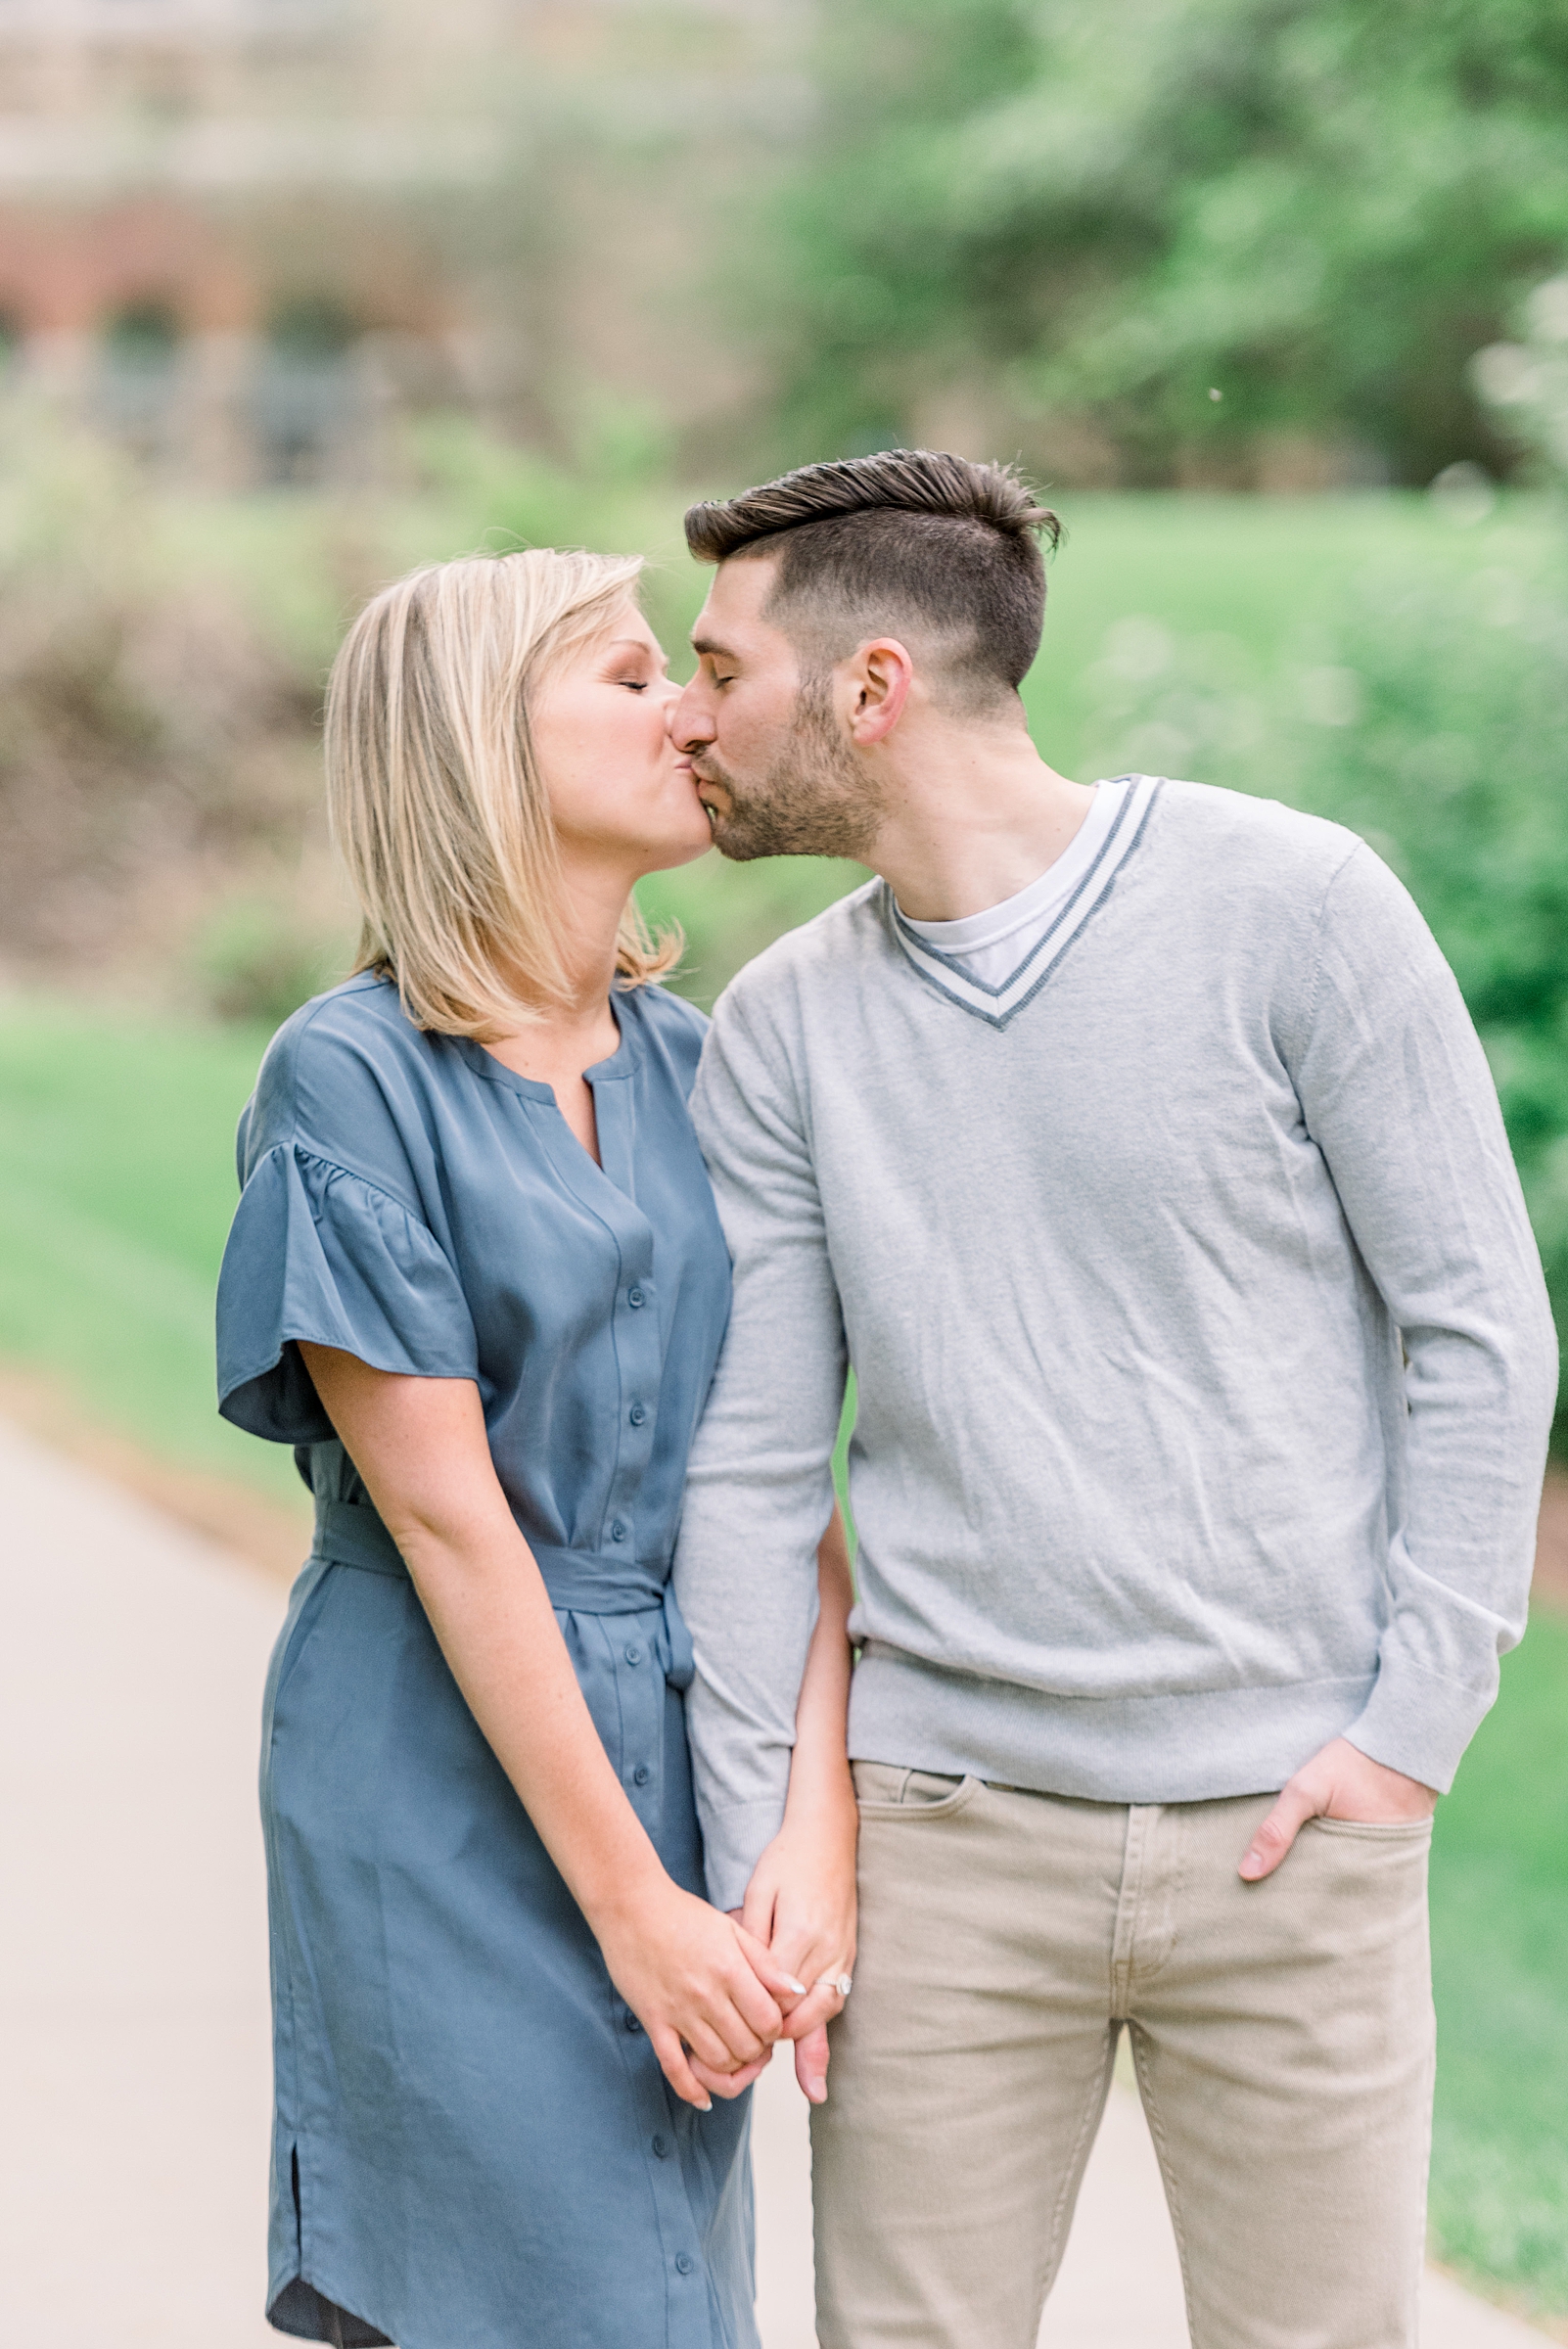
[(152, 738), (259, 958)]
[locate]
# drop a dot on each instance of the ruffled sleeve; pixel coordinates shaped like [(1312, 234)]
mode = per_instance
[(316, 1252)]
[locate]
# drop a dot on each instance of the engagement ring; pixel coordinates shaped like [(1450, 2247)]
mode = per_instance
[(841, 1983)]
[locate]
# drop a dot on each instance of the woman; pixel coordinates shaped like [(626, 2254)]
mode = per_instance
[(476, 1279)]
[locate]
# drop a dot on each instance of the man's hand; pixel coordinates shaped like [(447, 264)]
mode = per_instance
[(800, 1904), (1340, 1782)]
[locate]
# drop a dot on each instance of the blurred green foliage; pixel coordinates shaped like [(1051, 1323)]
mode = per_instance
[(1526, 383), (151, 727), (1316, 208), (256, 960)]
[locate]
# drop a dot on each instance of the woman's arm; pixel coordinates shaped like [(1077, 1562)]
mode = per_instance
[(800, 1899), (689, 1974)]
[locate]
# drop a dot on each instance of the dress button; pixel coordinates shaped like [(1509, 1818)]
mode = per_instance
[(633, 1655), (618, 1532), (684, 2262), (633, 2023), (641, 1774), (634, 1297), (639, 1412), (661, 2146)]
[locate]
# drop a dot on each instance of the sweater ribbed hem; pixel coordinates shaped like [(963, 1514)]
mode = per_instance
[(1418, 1723), (1196, 1748)]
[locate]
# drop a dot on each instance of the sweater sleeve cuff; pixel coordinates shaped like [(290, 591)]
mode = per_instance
[(733, 1841), (1416, 1723)]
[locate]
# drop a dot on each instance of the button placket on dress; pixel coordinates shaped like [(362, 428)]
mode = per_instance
[(640, 1684), (634, 1654), (640, 1690), (665, 2124), (639, 1355)]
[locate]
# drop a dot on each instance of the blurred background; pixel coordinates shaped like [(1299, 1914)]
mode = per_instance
[(1273, 296)]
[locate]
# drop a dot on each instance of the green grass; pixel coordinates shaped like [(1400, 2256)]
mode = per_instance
[(1258, 570), (117, 1185), (1499, 1947)]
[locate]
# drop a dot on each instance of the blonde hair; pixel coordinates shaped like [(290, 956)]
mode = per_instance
[(434, 793)]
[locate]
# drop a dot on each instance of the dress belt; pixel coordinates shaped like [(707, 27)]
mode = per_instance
[(579, 1582)]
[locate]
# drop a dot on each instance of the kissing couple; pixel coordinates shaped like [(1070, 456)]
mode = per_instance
[(1132, 1145)]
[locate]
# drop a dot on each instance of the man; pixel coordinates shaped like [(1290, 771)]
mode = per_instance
[(1133, 1145)]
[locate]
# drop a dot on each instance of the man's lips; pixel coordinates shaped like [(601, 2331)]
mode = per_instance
[(713, 806)]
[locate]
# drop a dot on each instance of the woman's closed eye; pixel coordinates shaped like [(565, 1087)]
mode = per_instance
[(634, 663)]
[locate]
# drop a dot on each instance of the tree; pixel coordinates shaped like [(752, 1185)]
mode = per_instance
[(1097, 215)]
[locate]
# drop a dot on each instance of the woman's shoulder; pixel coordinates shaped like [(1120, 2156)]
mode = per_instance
[(335, 1080), (363, 1013), (674, 1025)]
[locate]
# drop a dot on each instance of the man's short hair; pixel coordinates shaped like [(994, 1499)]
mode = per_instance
[(869, 545)]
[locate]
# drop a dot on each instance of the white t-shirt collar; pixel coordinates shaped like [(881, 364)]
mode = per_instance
[(1039, 897)]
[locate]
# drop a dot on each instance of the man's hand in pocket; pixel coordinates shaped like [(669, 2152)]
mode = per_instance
[(1339, 1782)]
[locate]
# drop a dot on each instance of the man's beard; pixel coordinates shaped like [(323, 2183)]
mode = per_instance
[(815, 800)]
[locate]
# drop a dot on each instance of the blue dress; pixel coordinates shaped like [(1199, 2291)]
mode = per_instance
[(474, 2146)]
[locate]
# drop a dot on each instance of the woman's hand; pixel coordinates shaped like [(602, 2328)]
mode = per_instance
[(800, 1904), (711, 1998), (687, 1973)]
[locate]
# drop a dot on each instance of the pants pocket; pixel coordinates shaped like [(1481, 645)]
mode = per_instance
[(886, 1791), (1377, 1831)]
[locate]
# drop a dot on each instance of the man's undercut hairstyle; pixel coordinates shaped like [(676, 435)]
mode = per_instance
[(910, 542)]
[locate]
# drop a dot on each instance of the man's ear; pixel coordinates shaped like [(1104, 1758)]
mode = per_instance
[(881, 675)]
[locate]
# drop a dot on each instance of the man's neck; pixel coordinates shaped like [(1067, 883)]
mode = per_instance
[(975, 815)]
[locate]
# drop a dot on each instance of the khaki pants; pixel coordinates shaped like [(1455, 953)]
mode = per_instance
[(1283, 2035)]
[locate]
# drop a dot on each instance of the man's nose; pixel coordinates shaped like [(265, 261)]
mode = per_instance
[(690, 725)]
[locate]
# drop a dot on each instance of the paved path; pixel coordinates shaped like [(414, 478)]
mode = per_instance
[(134, 2020)]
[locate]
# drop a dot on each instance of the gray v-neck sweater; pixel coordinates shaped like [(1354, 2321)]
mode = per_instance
[(1204, 1359)]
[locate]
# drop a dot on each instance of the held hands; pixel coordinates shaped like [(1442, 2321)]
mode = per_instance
[(800, 1903), (1339, 1782), (711, 1998)]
